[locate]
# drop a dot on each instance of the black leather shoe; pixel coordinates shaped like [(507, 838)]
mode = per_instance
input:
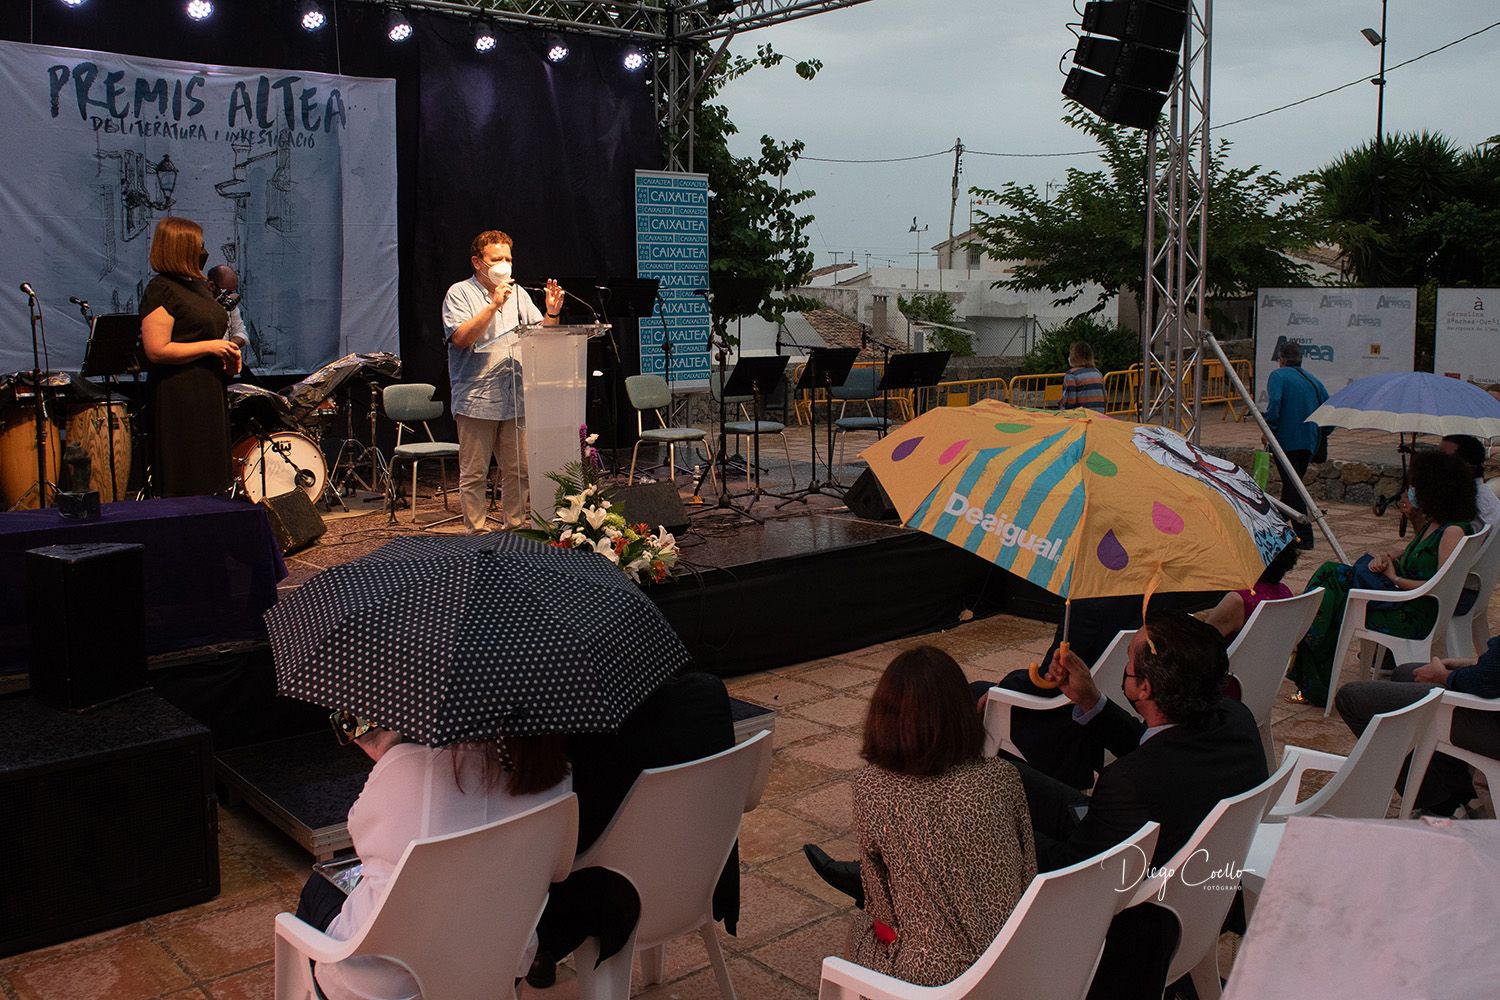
[(842, 875), (543, 973)]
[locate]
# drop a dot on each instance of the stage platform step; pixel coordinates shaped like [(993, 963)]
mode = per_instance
[(304, 785)]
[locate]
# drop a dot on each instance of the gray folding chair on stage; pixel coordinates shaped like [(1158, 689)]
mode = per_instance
[(410, 404), (862, 386), (651, 392), (749, 424)]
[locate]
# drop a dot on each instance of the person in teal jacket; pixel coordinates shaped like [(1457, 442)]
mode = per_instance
[(1293, 395)]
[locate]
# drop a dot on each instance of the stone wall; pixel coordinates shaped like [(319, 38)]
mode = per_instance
[(1333, 481)]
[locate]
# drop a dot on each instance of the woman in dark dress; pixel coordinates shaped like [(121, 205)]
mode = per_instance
[(182, 332)]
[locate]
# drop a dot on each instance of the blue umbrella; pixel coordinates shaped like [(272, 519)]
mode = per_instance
[(1412, 403)]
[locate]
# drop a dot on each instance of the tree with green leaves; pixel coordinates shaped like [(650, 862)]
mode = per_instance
[(1438, 218), (1093, 229), (934, 307), (1436, 222), (754, 229), (1115, 349)]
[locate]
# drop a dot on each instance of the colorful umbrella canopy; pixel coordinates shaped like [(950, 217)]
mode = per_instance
[(453, 639), (1077, 503), (1412, 403)]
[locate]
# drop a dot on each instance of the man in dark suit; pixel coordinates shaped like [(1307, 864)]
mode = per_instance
[(1194, 748)]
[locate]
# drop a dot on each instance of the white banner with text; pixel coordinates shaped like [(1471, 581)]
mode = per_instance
[(291, 174), (1344, 333)]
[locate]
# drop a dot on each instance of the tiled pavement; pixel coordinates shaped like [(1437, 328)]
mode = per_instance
[(223, 949)]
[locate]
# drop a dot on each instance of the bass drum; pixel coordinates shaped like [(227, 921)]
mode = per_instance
[(88, 427), (289, 460)]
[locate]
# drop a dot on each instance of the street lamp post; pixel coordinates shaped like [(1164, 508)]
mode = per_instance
[(1377, 39), (916, 281)]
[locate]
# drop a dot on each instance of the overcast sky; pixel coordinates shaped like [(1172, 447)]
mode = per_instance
[(906, 77)]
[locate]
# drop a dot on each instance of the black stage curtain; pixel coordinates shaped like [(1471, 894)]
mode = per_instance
[(502, 140)]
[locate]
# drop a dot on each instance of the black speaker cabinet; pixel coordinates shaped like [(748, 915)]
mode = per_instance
[(295, 522), (867, 499), (87, 608), (658, 504), (109, 818)]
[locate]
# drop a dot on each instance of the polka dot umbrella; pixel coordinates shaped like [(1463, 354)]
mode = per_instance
[(1078, 503), (454, 639)]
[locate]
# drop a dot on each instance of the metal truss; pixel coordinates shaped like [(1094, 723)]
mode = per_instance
[(1177, 159), (678, 32)]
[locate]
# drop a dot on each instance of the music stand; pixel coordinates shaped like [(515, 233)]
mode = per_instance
[(825, 368), (921, 370), (750, 377), (113, 350)]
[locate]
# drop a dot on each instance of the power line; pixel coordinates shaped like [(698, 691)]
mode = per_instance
[(889, 159), (1362, 79), (1096, 152)]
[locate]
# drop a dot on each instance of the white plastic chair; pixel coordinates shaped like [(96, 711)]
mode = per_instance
[(1262, 652), (1362, 782), (1469, 633), (459, 910), (1445, 586), (1048, 947), (1000, 701), (670, 838), (1360, 788), (1439, 739), (1197, 883)]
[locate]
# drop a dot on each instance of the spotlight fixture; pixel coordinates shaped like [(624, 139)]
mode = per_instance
[(399, 28), (313, 17), (634, 60), (719, 8), (484, 37), (72, 3), (199, 10), (557, 49)]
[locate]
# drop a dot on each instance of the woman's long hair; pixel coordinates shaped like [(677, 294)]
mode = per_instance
[(526, 764), (922, 719)]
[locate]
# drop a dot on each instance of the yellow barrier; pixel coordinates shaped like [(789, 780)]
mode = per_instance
[(1037, 391), (962, 392)]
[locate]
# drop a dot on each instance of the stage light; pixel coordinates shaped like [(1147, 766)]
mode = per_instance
[(634, 60), (72, 3), (313, 17), (557, 49), (399, 29), (198, 10), (484, 37)]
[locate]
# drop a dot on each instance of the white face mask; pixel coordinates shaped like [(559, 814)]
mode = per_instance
[(500, 271)]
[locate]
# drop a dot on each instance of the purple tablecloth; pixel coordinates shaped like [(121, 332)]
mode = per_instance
[(211, 569)]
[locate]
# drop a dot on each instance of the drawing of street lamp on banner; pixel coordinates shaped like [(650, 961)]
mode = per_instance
[(137, 177)]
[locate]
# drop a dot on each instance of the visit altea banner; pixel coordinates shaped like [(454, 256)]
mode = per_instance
[(1344, 333), (291, 174)]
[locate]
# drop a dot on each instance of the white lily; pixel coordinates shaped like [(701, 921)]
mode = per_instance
[(664, 539), (597, 516), (605, 547)]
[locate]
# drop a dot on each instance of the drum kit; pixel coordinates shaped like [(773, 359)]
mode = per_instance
[(278, 437), (279, 443)]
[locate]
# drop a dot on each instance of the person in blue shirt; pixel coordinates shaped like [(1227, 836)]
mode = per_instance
[(1293, 395), (1447, 786)]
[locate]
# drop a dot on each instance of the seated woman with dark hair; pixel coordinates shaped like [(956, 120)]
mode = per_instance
[(416, 791), (944, 834), (1231, 613), (1440, 504)]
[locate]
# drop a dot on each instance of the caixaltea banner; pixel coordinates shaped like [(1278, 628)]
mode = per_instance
[(291, 174)]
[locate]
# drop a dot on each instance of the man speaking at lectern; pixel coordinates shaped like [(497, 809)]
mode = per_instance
[(482, 316)]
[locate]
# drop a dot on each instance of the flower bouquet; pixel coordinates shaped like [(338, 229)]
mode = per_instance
[(584, 519)]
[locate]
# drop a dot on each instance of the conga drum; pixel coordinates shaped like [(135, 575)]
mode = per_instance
[(18, 455), (89, 428)]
